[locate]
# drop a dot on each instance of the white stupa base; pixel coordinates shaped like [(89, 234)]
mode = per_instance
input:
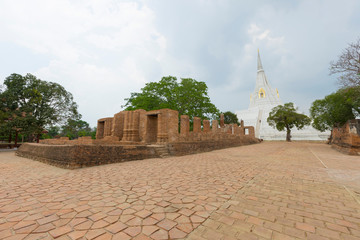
[(253, 117)]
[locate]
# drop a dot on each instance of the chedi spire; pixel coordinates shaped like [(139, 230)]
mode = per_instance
[(259, 65)]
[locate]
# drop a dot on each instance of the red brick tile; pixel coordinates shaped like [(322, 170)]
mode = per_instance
[(133, 231), (255, 220), (176, 234), (121, 236), (160, 235), (60, 231), (262, 232), (305, 227), (116, 227), (148, 230), (48, 219), (337, 228), (44, 228), (77, 234), (166, 224), (93, 234)]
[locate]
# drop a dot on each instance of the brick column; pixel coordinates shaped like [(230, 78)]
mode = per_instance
[(131, 126), (222, 122), (108, 127), (197, 124), (118, 125), (100, 130), (162, 136), (215, 125), (184, 124), (206, 125)]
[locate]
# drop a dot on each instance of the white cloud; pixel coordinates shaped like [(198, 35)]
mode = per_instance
[(103, 50), (93, 47)]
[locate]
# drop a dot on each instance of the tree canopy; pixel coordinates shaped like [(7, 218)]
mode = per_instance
[(285, 117), (31, 104), (189, 97), (335, 109), (75, 128), (230, 117), (348, 66)]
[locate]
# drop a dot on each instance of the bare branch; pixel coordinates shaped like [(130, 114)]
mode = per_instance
[(348, 66)]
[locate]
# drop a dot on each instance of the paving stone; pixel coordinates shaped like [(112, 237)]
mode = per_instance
[(166, 224), (148, 230), (116, 227), (160, 234), (121, 236), (60, 231), (93, 234), (273, 189), (76, 234), (132, 231)]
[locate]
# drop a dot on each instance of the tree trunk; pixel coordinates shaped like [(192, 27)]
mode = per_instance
[(10, 137), (331, 137), (37, 138), (288, 136), (16, 137)]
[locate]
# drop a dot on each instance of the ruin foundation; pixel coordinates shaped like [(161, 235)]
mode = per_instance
[(347, 138), (139, 134)]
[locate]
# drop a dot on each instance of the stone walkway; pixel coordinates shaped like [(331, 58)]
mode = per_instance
[(272, 190)]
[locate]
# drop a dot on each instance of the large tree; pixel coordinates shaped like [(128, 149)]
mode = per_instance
[(286, 117), (189, 97), (348, 66), (32, 104), (335, 109), (75, 128), (230, 117)]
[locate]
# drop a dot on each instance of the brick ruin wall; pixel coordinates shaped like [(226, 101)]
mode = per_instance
[(133, 135), (347, 138), (77, 156)]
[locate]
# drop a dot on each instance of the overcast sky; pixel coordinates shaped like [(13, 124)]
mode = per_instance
[(103, 50)]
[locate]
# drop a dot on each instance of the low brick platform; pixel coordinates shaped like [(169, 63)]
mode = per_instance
[(346, 138), (87, 155)]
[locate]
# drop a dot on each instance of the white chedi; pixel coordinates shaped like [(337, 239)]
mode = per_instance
[(262, 101)]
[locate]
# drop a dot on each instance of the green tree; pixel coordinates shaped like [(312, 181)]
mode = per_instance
[(189, 97), (32, 104), (348, 66), (335, 109), (53, 131), (352, 95), (230, 117), (285, 117), (76, 128)]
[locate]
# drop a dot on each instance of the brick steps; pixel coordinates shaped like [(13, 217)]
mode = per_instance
[(163, 151)]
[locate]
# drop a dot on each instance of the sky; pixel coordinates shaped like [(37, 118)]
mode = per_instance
[(102, 50)]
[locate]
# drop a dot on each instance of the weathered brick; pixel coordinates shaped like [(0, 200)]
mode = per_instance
[(294, 232), (337, 227), (305, 227)]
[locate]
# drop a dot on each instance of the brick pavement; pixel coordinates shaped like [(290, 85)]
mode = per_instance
[(273, 190)]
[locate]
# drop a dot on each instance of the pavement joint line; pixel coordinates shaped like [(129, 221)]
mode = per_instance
[(352, 194), (349, 191), (318, 158)]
